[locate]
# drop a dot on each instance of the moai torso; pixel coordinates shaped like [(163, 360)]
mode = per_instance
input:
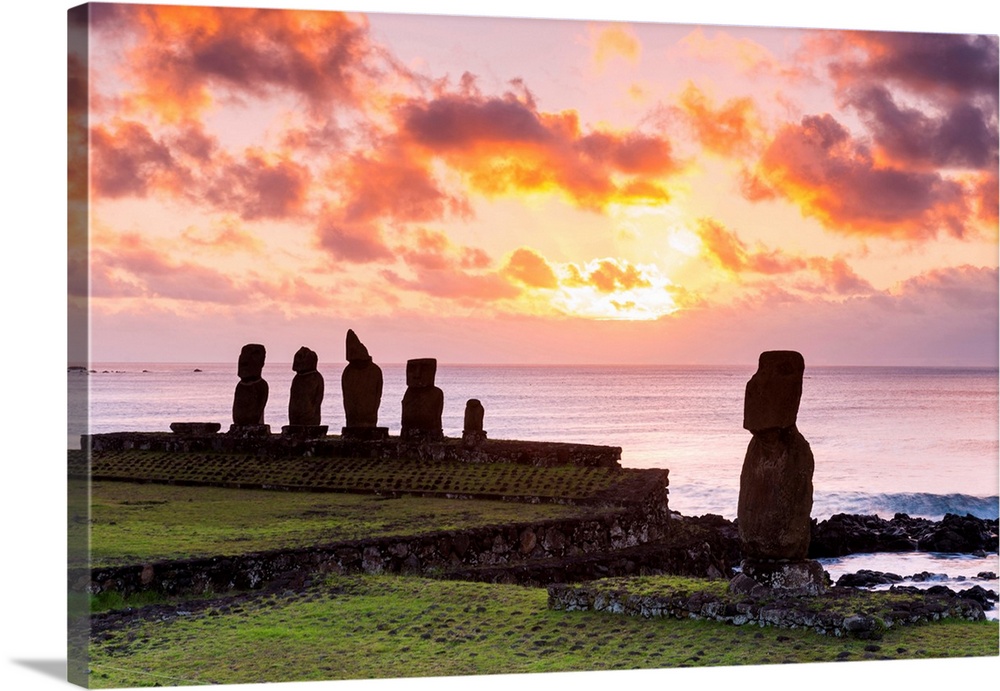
[(423, 403), (305, 399), (250, 397), (361, 385)]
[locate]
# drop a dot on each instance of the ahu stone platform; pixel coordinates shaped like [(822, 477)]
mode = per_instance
[(447, 449)]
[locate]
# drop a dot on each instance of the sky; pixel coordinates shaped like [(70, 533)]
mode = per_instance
[(494, 190)]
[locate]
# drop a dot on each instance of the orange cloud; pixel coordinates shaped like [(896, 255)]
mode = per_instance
[(129, 266), (723, 248), (929, 105), (394, 185), (985, 189), (433, 250), (745, 54), (530, 268), (612, 275), (832, 177), (454, 284), (128, 161), (182, 59), (260, 186), (730, 129), (228, 237), (351, 241), (614, 41), (837, 275), (727, 251), (504, 145)]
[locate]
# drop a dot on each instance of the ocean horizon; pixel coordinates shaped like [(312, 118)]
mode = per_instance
[(915, 440)]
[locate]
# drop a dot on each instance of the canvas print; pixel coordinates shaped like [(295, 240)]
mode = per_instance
[(409, 346)]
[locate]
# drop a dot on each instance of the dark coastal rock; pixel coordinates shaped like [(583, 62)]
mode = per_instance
[(843, 534), (306, 396), (981, 598), (958, 534), (251, 393), (361, 385), (977, 593), (423, 403), (776, 496), (865, 578), (774, 391)]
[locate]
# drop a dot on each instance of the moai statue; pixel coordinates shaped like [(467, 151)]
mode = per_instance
[(251, 392), (423, 402), (361, 384), (472, 430), (776, 482), (306, 397)]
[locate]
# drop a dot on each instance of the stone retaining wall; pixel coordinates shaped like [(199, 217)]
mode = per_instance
[(785, 612), (491, 546), (486, 451)]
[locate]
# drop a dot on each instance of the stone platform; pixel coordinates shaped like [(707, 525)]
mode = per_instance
[(334, 446)]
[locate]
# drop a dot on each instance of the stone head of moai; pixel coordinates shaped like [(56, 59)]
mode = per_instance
[(774, 391), (420, 372), (251, 363), (356, 350), (305, 361)]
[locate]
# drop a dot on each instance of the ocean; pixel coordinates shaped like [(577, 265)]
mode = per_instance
[(920, 441)]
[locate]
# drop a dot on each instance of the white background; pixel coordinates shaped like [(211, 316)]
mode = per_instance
[(33, 336)]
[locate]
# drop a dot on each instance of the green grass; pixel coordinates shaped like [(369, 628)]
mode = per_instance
[(137, 523), (356, 627)]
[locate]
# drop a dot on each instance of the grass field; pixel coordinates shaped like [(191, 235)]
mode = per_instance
[(356, 627), (137, 523), (394, 626)]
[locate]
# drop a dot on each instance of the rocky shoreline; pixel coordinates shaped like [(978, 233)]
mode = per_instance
[(844, 534)]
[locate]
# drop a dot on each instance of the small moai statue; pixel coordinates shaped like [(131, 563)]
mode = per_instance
[(361, 385), (423, 402), (776, 488), (306, 397), (250, 397), (472, 429)]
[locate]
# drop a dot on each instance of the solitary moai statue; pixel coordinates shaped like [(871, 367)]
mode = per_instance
[(776, 482), (250, 397), (472, 429), (361, 384), (423, 402), (306, 397)]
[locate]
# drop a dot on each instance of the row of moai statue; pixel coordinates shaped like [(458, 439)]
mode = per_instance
[(361, 385)]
